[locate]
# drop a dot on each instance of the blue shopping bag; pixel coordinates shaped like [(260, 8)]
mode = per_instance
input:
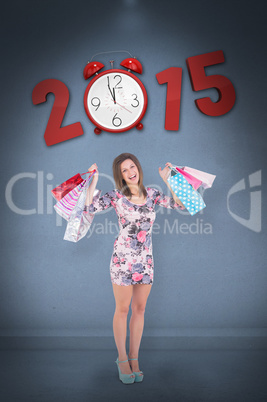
[(190, 198)]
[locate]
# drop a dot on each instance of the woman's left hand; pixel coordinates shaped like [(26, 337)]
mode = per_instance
[(164, 173)]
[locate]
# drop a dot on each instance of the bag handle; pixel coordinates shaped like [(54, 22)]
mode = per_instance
[(92, 172), (89, 171), (173, 170)]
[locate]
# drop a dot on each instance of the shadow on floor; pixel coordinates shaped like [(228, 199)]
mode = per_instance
[(170, 376)]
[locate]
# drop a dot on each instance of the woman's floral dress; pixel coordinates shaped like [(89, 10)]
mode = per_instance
[(132, 260)]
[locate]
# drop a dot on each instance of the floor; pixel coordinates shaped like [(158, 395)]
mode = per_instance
[(179, 375)]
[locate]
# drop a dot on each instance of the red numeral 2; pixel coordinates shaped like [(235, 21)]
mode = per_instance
[(199, 80), (54, 133)]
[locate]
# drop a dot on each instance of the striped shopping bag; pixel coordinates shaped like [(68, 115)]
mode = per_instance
[(65, 206)]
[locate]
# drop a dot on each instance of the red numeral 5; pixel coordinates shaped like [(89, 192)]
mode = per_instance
[(199, 80), (54, 133)]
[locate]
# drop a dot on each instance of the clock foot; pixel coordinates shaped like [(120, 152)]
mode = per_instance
[(139, 126), (97, 131)]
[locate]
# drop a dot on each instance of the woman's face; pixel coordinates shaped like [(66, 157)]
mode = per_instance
[(129, 172)]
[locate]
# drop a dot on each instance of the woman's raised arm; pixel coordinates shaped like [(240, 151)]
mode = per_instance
[(91, 188)]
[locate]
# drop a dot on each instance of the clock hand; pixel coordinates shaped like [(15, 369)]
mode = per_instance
[(114, 97), (124, 107), (112, 93)]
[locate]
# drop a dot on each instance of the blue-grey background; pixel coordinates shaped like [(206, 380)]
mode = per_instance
[(204, 284)]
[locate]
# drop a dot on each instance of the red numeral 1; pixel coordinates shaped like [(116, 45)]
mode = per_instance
[(200, 80), (54, 133), (173, 77)]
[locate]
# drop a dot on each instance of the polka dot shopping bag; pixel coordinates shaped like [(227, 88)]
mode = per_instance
[(190, 198)]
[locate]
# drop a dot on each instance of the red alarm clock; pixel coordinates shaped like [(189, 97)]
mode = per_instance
[(115, 100)]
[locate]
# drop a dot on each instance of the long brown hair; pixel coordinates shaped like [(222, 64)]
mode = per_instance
[(120, 182)]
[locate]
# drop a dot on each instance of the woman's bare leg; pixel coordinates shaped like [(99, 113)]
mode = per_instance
[(123, 295), (139, 299)]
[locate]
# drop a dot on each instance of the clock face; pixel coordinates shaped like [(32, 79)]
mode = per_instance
[(115, 100)]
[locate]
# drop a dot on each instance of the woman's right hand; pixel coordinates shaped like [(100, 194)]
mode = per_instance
[(95, 176)]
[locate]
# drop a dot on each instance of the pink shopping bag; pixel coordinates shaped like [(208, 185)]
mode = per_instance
[(196, 183), (207, 179)]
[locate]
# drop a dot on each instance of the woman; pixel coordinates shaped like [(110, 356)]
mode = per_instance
[(132, 260)]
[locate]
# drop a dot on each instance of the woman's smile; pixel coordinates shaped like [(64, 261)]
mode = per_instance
[(132, 177)]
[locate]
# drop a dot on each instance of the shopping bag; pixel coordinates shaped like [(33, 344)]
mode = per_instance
[(67, 203), (196, 183), (190, 198), (207, 179), (63, 189), (64, 206), (79, 222)]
